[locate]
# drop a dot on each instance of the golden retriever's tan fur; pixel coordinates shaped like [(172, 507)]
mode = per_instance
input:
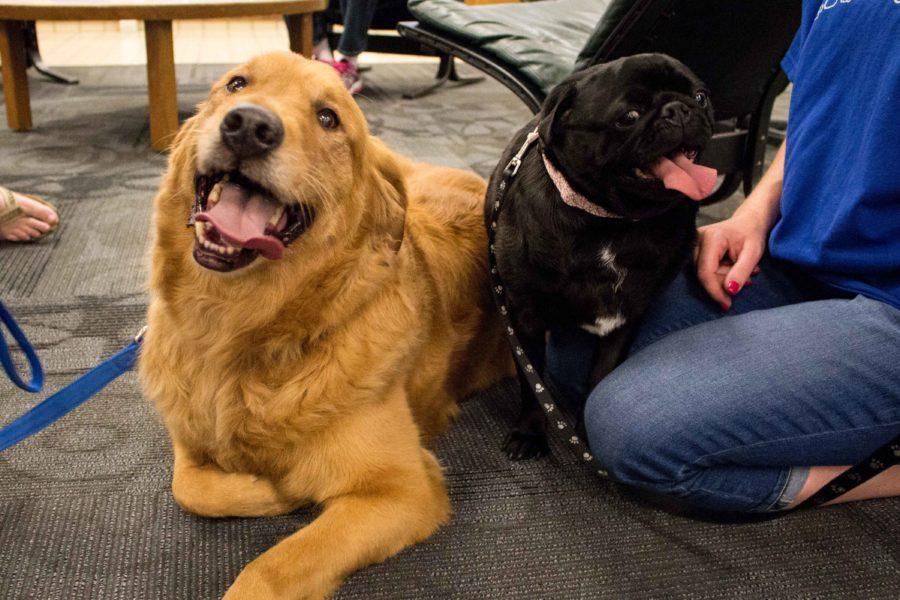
[(318, 377)]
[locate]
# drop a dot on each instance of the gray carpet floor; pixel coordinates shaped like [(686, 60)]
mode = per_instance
[(85, 508)]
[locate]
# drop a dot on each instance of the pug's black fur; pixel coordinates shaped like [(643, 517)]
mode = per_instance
[(564, 267)]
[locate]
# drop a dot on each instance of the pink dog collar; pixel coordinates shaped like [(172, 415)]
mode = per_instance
[(570, 196)]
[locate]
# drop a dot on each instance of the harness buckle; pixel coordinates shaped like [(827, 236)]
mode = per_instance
[(512, 167), (139, 336)]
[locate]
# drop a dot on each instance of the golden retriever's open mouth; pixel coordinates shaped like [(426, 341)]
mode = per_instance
[(235, 220)]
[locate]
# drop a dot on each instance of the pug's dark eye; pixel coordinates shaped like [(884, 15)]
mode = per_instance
[(702, 99), (328, 119), (628, 119), (236, 84)]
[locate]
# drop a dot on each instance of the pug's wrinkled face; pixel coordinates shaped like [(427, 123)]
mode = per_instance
[(626, 134)]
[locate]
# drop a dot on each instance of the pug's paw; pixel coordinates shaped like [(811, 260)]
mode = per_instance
[(521, 445)]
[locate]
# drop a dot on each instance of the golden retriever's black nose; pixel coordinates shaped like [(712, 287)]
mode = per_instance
[(676, 112), (250, 130)]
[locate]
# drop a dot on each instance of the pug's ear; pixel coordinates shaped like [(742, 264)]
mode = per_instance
[(556, 104), (390, 193)]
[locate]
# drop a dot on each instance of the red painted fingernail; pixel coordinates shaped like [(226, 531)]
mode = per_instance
[(733, 287), (725, 305), (749, 283)]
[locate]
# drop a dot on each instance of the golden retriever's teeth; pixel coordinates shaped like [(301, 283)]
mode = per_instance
[(215, 247), (213, 198), (200, 229), (277, 216)]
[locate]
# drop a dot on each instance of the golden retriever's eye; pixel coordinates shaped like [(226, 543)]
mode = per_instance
[(236, 84), (328, 119)]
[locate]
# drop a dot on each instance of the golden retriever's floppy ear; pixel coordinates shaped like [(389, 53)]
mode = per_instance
[(176, 193), (389, 192), (183, 151), (177, 189)]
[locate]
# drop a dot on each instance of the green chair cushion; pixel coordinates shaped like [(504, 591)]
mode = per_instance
[(540, 40)]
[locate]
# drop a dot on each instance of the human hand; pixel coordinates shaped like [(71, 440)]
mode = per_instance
[(728, 253)]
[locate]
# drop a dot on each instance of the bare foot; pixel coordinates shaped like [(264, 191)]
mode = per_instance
[(37, 220), (884, 485)]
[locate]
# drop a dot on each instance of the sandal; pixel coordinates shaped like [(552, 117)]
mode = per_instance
[(10, 210)]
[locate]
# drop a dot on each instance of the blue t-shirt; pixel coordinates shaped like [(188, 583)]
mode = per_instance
[(840, 205)]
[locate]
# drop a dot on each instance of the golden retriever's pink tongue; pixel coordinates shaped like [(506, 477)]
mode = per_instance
[(241, 218), (693, 180)]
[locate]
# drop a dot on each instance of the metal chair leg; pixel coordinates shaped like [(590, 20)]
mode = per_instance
[(777, 131), (33, 55), (446, 72)]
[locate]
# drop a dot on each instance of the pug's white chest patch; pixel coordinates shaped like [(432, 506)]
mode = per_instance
[(604, 325), (608, 261)]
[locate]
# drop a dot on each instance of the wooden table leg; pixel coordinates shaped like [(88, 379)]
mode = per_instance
[(15, 81), (161, 85), (300, 33)]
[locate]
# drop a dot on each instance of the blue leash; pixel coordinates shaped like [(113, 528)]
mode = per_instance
[(65, 400), (37, 372)]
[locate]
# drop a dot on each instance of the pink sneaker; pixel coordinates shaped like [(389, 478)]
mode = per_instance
[(349, 75)]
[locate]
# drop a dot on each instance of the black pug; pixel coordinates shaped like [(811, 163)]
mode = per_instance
[(600, 215)]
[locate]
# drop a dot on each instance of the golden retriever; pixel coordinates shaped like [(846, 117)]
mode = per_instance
[(315, 324)]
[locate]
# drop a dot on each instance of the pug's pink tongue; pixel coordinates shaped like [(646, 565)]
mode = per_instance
[(693, 180), (241, 218)]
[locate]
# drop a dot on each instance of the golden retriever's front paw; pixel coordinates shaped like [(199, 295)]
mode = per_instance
[(260, 582), (251, 584)]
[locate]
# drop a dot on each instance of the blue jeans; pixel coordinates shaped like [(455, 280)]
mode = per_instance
[(357, 16), (728, 410)]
